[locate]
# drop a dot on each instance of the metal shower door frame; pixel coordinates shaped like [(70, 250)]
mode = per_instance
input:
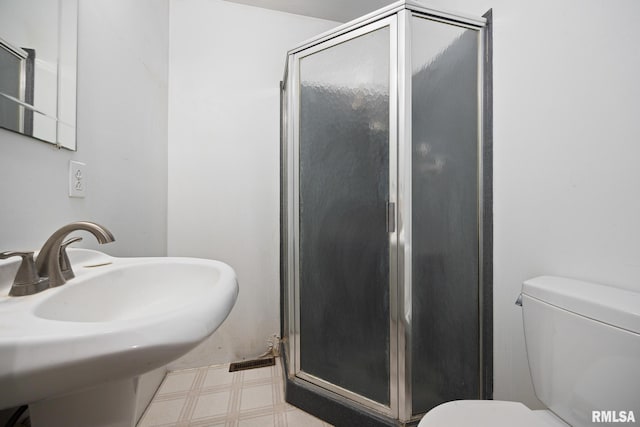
[(405, 209), (398, 17), (293, 143)]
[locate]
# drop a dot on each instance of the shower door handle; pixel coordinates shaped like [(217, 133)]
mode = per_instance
[(391, 217)]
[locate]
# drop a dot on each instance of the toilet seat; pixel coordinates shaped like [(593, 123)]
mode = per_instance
[(488, 413)]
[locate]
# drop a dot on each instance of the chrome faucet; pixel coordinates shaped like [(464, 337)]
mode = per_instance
[(52, 254), (52, 267)]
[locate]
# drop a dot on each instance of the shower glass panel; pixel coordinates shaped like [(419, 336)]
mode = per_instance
[(343, 194), (445, 251)]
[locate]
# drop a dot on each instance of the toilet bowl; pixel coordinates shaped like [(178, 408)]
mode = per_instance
[(488, 413), (583, 348)]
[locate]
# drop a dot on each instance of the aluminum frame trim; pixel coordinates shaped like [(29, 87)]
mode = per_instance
[(447, 15), (404, 215), (291, 253), (14, 50), (480, 225), (343, 393), (487, 197), (284, 217), (285, 73), (294, 110), (385, 12), (393, 198), (347, 27), (352, 34), (295, 91)]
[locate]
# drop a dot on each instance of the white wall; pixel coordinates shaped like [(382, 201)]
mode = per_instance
[(226, 61), (122, 137), (566, 150)]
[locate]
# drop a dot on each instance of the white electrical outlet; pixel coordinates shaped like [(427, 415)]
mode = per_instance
[(77, 179)]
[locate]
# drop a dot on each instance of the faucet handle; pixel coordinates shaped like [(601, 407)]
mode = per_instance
[(27, 277), (27, 271), (65, 264)]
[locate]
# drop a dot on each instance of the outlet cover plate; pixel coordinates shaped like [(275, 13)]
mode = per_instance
[(77, 179)]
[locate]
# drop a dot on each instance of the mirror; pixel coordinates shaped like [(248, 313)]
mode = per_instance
[(38, 57)]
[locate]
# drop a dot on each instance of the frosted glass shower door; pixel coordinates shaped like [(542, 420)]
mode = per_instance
[(343, 203), (445, 214)]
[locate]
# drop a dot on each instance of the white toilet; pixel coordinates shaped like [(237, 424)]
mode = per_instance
[(583, 346)]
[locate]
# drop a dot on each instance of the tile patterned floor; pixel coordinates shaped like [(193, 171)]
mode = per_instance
[(213, 396)]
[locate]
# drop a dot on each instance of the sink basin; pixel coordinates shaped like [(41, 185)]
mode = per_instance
[(132, 291), (117, 319)]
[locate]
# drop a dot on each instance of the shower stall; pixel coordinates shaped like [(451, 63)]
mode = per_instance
[(386, 216)]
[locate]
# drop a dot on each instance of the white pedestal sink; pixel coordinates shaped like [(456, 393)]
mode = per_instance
[(76, 351)]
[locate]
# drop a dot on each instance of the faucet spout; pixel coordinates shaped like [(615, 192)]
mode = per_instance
[(48, 260)]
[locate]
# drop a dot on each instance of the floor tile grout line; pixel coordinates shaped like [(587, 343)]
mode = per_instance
[(275, 387), (192, 397), (281, 418), (170, 396), (276, 411), (154, 398), (235, 397)]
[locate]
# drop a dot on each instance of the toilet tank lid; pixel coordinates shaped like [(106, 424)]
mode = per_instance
[(607, 304)]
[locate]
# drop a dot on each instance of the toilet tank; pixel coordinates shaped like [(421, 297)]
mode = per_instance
[(583, 345)]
